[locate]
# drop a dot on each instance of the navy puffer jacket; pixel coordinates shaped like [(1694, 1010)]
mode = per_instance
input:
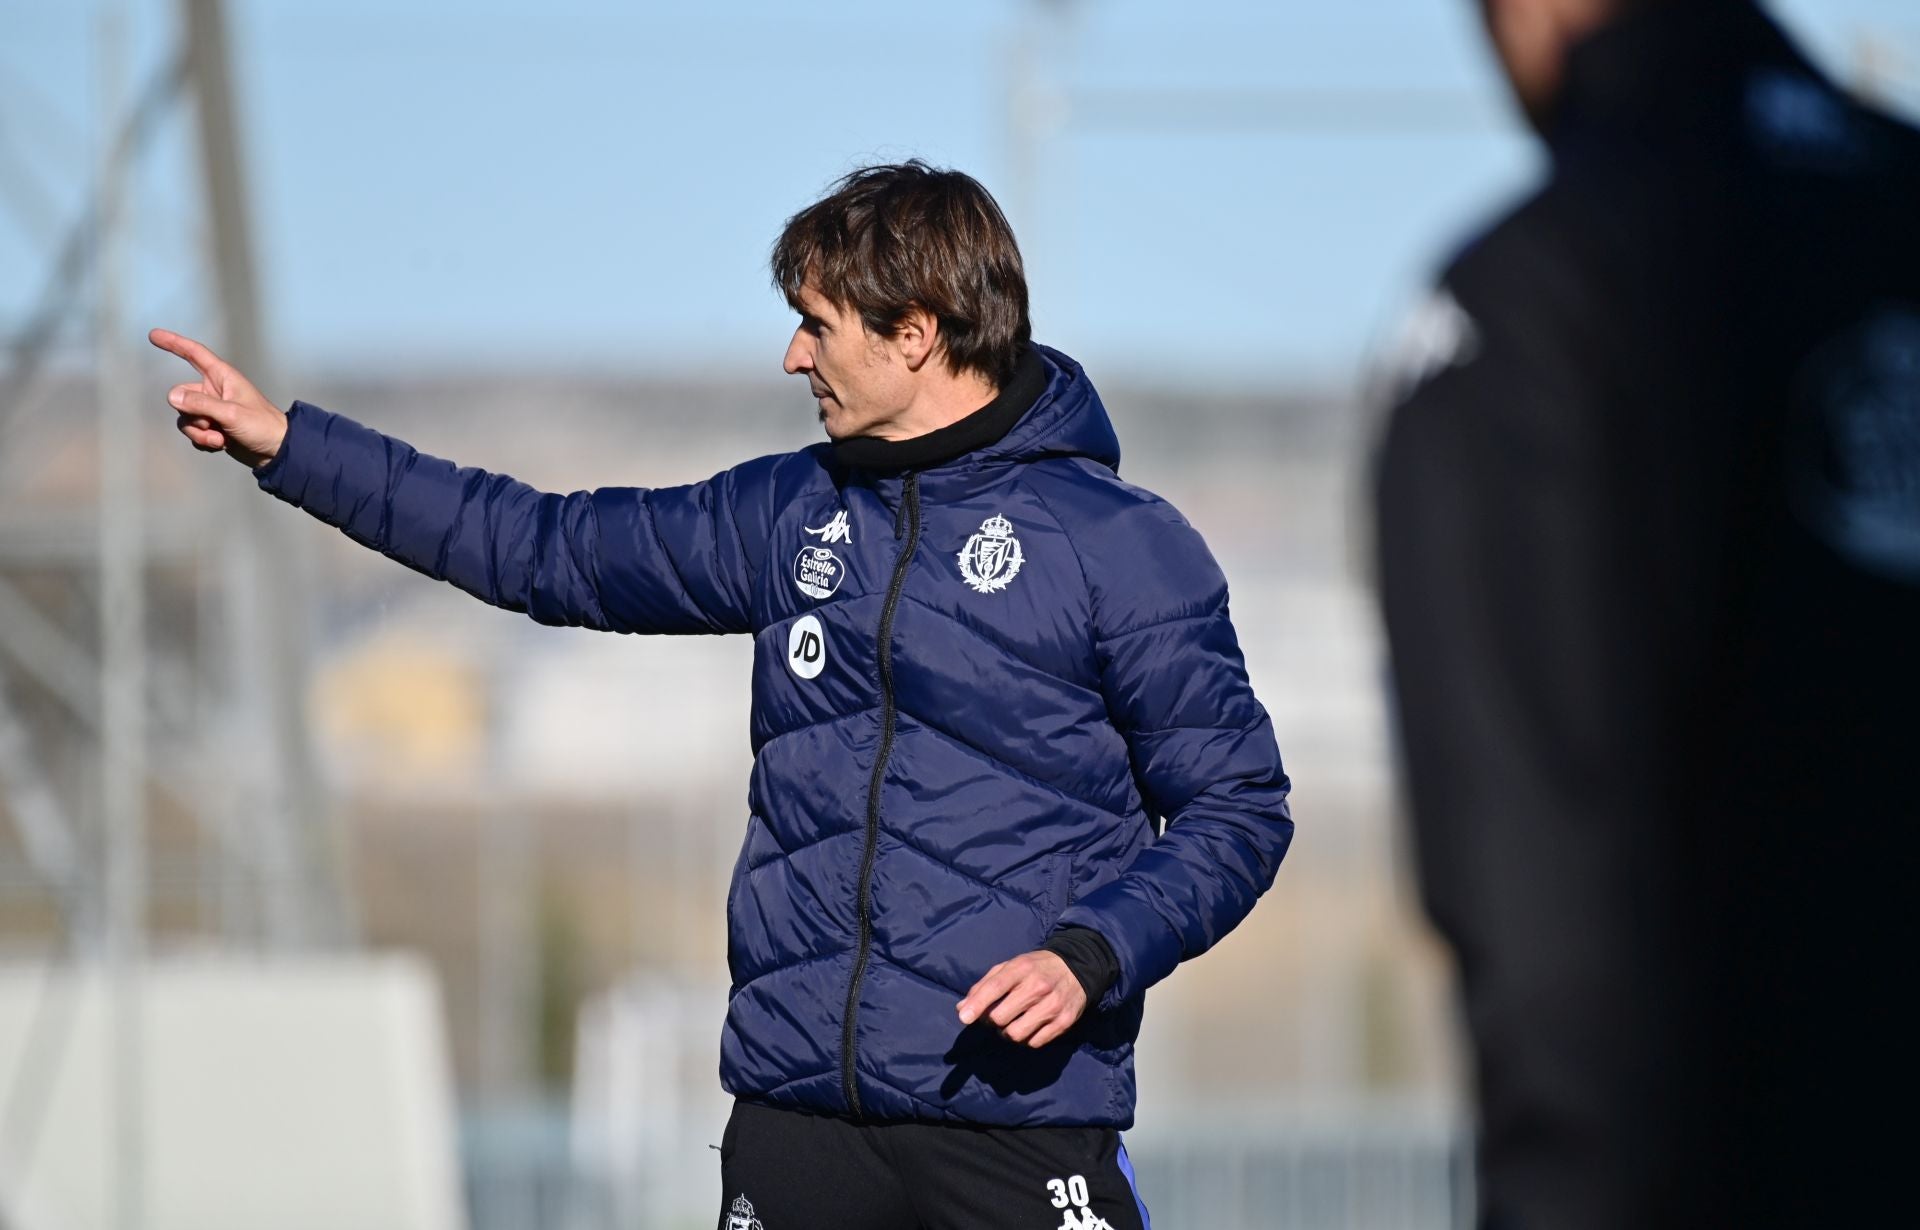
[(975, 688)]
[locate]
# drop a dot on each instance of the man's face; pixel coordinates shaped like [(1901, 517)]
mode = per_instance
[(1532, 39), (857, 377)]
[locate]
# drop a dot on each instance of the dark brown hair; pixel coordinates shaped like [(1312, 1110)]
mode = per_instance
[(887, 238)]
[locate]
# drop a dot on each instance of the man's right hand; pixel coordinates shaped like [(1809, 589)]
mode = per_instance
[(222, 411)]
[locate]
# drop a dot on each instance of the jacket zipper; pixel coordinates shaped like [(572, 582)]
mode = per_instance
[(910, 504)]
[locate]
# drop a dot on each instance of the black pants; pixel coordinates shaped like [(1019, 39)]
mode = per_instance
[(784, 1170)]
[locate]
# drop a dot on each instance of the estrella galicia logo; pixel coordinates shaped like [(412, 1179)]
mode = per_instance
[(817, 571), (807, 647), (1857, 459), (992, 557)]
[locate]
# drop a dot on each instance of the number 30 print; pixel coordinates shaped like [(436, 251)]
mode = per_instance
[(1071, 1193)]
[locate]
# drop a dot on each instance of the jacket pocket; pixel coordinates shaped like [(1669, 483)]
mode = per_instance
[(1059, 887)]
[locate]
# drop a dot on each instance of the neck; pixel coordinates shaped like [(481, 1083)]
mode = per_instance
[(943, 400), (982, 427)]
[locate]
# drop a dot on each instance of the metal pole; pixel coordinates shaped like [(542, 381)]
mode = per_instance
[(304, 888), (46, 832), (1036, 113), (507, 924), (123, 736), (507, 910), (209, 68)]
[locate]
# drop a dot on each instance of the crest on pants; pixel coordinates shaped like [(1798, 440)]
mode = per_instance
[(992, 557), (740, 1216)]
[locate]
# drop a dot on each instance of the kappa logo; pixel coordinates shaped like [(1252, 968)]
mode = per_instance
[(807, 647), (992, 557), (1071, 1195), (835, 530), (817, 572), (1436, 336), (740, 1216)]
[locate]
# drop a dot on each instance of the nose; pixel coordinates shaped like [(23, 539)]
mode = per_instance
[(799, 354)]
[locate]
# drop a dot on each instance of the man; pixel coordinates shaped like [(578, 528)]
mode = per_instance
[(1649, 545), (983, 666)]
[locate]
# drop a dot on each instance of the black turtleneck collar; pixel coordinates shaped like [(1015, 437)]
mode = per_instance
[(1671, 70), (984, 426)]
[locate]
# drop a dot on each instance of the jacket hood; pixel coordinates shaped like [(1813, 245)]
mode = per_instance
[(1066, 420)]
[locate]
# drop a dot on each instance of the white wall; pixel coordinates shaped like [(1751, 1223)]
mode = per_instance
[(289, 1094)]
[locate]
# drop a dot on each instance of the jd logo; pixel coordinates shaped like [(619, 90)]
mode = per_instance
[(806, 647)]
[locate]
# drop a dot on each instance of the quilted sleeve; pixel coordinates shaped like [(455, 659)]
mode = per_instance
[(1202, 748), (619, 559)]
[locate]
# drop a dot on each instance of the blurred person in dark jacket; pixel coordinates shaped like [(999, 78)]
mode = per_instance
[(1649, 556)]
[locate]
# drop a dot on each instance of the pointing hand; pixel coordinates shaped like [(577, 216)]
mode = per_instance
[(222, 411)]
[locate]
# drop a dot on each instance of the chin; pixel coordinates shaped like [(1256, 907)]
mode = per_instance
[(839, 426)]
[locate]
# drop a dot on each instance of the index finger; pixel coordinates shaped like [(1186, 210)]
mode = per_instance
[(193, 352), (987, 992)]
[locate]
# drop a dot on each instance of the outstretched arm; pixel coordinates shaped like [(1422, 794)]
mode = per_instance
[(618, 559)]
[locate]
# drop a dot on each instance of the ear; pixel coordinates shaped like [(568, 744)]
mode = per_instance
[(917, 336)]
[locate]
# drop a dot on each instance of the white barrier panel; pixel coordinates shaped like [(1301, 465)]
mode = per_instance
[(648, 1110), (306, 1094)]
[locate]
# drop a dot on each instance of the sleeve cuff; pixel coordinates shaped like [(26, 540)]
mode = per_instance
[(1146, 946), (1089, 957), (303, 419)]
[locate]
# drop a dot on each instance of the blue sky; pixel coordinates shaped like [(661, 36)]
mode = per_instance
[(594, 185)]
